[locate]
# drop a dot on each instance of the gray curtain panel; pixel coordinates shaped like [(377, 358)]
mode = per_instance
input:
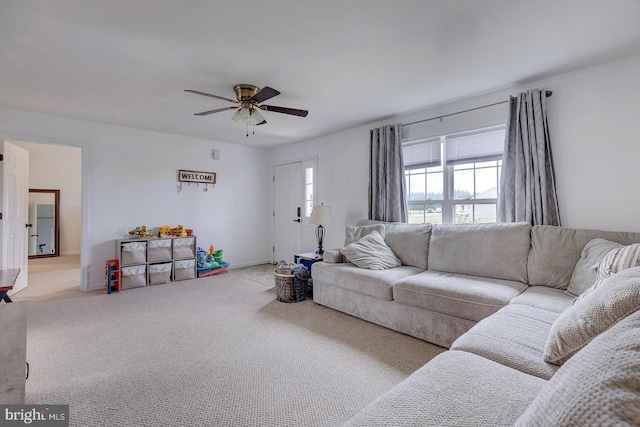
[(387, 196), (527, 183)]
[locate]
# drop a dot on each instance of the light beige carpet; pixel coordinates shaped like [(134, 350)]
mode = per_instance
[(52, 278), (218, 351)]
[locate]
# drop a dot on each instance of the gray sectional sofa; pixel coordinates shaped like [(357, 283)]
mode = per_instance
[(493, 294)]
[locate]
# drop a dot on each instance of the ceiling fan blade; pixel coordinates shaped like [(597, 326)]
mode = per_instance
[(285, 110), (261, 123), (264, 94), (209, 95), (204, 113)]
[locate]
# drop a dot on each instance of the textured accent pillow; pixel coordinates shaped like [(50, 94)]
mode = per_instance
[(614, 299), (353, 233), (617, 260), (371, 252), (599, 386), (586, 270)]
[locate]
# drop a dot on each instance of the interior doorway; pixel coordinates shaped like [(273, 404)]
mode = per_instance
[(55, 170)]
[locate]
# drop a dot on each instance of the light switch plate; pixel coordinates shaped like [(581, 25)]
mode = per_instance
[(215, 154)]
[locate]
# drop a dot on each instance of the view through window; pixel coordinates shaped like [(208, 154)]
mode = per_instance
[(454, 178)]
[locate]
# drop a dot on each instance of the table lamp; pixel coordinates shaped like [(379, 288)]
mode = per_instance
[(321, 214)]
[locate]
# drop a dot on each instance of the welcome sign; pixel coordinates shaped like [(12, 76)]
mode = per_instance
[(199, 177)]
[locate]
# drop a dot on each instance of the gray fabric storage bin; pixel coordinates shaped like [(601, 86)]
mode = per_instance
[(184, 247), (184, 269), (133, 276), (160, 273), (134, 253), (160, 250)]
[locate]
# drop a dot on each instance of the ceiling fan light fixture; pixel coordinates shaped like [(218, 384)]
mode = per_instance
[(249, 116)]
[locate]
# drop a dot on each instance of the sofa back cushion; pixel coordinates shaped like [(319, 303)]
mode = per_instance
[(497, 250), (600, 385), (555, 251), (410, 242)]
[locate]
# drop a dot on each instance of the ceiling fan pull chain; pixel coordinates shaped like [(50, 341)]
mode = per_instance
[(247, 129)]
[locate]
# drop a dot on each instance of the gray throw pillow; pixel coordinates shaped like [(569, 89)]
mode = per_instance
[(355, 233), (585, 271), (596, 311), (371, 252)]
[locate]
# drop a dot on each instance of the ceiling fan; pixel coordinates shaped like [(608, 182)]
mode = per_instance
[(248, 98)]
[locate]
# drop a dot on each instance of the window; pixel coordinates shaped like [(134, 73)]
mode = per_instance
[(308, 191), (454, 178)]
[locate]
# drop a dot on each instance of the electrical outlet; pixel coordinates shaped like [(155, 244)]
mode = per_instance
[(215, 154)]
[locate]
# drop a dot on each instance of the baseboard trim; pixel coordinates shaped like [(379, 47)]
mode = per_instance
[(249, 264)]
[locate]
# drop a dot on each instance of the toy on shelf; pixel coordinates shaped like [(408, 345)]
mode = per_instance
[(164, 231), (178, 231), (140, 231)]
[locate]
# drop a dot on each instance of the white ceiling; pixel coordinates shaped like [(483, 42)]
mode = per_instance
[(348, 62)]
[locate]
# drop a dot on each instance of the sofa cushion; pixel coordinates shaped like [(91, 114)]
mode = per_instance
[(498, 250), (515, 336), (599, 386), (410, 242), (585, 271), (555, 251), (454, 389), (355, 233), (376, 283), (459, 295), (546, 298), (593, 313), (371, 252)]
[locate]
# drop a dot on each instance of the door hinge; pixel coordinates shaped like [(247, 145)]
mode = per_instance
[(0, 215), (274, 214), (273, 248), (274, 178), (1, 157)]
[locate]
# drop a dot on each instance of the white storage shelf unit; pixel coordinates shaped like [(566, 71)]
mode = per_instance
[(154, 261)]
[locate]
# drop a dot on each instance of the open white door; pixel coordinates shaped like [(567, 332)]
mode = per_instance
[(14, 230), (287, 211)]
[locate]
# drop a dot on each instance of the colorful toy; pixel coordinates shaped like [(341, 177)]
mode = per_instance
[(140, 231), (164, 230)]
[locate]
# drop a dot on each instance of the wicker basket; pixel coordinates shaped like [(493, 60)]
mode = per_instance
[(289, 288)]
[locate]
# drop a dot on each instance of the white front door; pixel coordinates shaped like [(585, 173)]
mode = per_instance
[(15, 211), (287, 211)]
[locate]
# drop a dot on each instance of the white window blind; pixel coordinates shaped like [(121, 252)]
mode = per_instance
[(422, 153), (479, 146)]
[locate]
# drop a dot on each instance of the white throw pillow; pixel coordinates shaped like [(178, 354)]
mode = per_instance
[(586, 270), (596, 311), (371, 252)]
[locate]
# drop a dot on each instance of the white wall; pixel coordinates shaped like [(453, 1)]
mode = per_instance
[(595, 137), (58, 167), (129, 179)]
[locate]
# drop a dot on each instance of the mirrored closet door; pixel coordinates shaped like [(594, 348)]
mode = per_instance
[(44, 223)]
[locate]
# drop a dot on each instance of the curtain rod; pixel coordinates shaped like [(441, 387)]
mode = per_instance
[(547, 93)]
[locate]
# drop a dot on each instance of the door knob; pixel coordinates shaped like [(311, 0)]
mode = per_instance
[(296, 220), (28, 225)]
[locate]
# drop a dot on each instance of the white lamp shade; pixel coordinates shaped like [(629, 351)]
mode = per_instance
[(321, 214)]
